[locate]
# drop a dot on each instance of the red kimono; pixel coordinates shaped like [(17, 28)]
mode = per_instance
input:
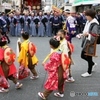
[(10, 70), (52, 68), (6, 70)]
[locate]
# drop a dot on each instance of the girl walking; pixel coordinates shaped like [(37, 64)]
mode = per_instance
[(53, 67), (7, 67)]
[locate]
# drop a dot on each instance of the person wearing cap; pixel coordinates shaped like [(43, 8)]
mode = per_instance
[(70, 25)]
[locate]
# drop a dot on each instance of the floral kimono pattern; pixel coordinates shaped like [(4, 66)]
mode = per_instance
[(52, 68), (5, 69)]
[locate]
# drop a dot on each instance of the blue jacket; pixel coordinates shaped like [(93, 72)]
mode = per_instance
[(3, 24)]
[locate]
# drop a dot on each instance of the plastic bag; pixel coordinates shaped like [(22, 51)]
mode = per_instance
[(3, 82), (23, 72)]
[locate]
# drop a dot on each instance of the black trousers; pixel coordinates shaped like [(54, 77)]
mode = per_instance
[(89, 60), (55, 30)]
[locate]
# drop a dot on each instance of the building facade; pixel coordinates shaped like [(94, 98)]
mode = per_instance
[(5, 5), (64, 4), (47, 5), (82, 5), (58, 3)]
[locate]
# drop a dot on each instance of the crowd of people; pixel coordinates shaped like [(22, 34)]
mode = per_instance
[(64, 27), (41, 23)]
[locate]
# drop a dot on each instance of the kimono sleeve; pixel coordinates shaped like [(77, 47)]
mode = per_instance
[(53, 63), (65, 49), (1, 54), (22, 56)]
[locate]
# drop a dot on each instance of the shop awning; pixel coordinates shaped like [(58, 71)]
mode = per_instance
[(85, 2)]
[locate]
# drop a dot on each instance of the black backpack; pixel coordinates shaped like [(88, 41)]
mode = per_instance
[(92, 25)]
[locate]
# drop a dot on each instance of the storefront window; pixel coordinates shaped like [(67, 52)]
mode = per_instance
[(83, 8), (7, 1)]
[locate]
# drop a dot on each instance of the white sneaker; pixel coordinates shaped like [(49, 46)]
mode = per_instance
[(34, 77), (59, 95), (94, 66), (70, 79), (86, 74), (3, 90), (41, 95), (18, 85)]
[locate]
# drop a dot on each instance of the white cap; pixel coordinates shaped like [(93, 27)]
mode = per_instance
[(67, 11)]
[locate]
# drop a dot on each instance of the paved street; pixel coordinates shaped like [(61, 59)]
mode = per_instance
[(81, 89)]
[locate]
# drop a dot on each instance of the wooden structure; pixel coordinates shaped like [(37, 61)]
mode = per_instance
[(35, 4)]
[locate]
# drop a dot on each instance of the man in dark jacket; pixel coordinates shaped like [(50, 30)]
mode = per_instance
[(56, 22), (3, 26)]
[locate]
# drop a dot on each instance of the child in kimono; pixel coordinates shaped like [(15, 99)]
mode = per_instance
[(65, 46), (7, 67), (52, 67), (25, 59)]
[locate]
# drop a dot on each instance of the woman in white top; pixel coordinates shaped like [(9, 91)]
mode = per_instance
[(89, 38)]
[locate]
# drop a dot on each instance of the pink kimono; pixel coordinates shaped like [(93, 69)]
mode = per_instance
[(52, 68)]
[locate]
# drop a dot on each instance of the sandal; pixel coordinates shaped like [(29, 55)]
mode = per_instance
[(18, 85), (34, 77), (3, 90), (40, 94), (59, 95)]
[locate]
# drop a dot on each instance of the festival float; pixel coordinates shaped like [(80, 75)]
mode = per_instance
[(33, 4)]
